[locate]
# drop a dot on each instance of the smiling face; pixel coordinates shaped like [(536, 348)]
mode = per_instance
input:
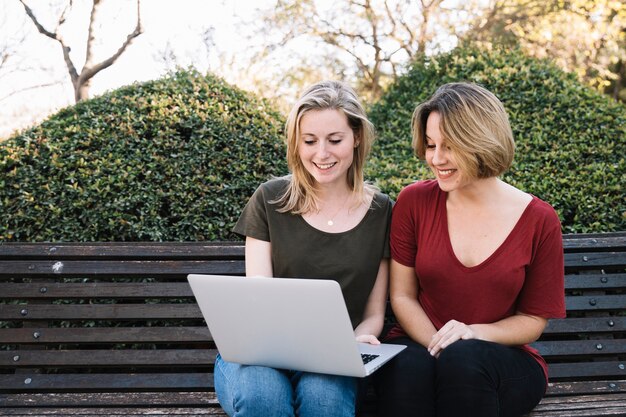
[(440, 158), (326, 146)]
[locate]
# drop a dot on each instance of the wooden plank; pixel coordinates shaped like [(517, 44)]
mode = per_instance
[(100, 312), (108, 358), (585, 405), (595, 260), (33, 382), (594, 241), (118, 290), (123, 250), (564, 348), (582, 370), (99, 399), (180, 268), (558, 389), (114, 411), (595, 281), (586, 325), (90, 335), (595, 302)]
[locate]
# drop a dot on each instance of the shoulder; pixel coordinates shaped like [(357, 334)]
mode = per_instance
[(544, 217), (274, 187), (419, 189), (381, 199)]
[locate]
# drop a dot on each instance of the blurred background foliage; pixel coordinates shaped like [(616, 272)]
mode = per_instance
[(177, 158), (168, 160)]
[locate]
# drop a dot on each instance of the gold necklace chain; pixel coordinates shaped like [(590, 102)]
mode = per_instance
[(330, 220)]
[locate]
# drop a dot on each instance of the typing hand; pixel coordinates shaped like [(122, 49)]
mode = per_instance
[(448, 334), (368, 338)]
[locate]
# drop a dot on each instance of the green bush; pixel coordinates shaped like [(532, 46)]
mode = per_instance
[(174, 159), (570, 140)]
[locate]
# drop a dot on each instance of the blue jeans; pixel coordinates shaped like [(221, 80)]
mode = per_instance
[(244, 391)]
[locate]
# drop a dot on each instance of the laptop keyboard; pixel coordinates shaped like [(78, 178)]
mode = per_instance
[(367, 357)]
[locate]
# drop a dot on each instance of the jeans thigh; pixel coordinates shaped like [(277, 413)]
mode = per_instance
[(244, 390), (324, 395)]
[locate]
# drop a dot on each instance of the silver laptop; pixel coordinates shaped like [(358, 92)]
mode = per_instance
[(285, 323)]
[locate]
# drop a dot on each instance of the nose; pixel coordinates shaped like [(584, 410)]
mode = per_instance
[(322, 149), (440, 156)]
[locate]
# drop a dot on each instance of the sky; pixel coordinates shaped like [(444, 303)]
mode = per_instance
[(175, 26)]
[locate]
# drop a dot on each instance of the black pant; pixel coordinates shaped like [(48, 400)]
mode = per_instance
[(470, 378)]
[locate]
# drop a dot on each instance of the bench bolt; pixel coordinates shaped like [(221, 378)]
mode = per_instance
[(585, 259), (36, 335), (53, 249), (31, 267), (621, 366), (604, 280), (593, 302), (28, 381), (43, 290), (611, 323), (599, 346), (24, 312), (612, 385), (16, 358)]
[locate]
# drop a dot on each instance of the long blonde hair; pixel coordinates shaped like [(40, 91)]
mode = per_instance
[(301, 195)]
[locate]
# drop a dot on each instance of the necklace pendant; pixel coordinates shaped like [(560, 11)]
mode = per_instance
[(330, 223)]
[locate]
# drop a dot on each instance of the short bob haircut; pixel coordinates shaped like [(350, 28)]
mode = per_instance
[(301, 195), (474, 125)]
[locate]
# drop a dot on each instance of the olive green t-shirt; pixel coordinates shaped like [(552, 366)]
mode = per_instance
[(299, 250)]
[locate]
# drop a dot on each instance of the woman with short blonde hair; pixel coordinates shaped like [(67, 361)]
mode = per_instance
[(476, 270)]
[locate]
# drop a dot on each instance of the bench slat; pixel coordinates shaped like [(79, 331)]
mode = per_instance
[(95, 399), (595, 302), (10, 268), (586, 370), (586, 325), (580, 347), (100, 335), (115, 411), (594, 260), (119, 290), (592, 281), (557, 389), (108, 358), (123, 250), (33, 382), (100, 312)]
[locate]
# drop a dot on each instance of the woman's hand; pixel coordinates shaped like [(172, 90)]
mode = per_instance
[(448, 334), (368, 338)]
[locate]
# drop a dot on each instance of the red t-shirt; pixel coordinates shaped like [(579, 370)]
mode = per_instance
[(525, 274)]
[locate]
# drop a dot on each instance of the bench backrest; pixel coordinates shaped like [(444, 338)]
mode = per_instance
[(78, 317)]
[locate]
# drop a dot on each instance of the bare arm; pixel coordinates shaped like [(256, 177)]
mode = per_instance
[(258, 258), (518, 329), (404, 289), (374, 314)]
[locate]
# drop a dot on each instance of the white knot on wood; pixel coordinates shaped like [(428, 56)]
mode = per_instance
[(57, 268)]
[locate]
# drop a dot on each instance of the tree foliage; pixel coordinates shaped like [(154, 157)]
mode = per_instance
[(376, 40)]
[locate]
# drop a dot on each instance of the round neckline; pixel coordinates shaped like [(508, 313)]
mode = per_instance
[(357, 226)]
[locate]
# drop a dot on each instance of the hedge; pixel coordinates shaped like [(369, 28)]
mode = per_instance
[(570, 140), (168, 160), (177, 158)]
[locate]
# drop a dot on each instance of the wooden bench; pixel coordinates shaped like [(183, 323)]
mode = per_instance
[(113, 329)]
